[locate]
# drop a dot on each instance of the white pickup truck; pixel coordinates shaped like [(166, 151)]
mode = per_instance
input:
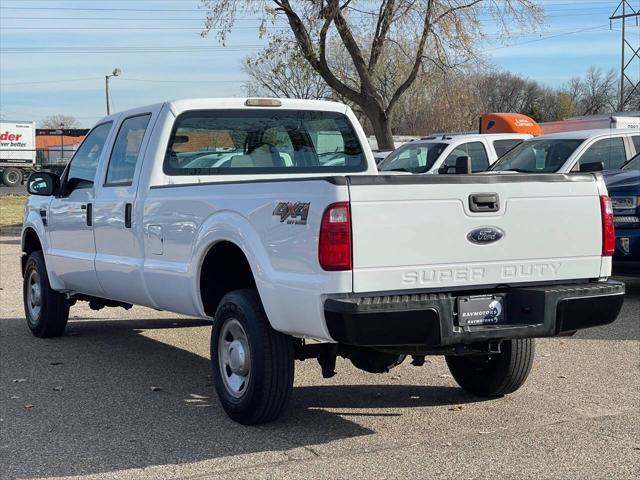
[(269, 217)]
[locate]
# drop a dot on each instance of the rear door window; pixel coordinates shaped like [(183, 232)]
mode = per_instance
[(609, 151), (126, 150), (503, 146), (474, 150), (636, 143)]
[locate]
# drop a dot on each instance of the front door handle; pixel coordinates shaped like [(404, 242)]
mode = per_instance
[(128, 210)]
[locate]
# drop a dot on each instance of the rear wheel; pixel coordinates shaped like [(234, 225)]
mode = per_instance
[(495, 374), (12, 177), (252, 364), (46, 310)]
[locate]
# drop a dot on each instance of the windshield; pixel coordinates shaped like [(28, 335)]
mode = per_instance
[(217, 142), (537, 156), (414, 158), (633, 164)]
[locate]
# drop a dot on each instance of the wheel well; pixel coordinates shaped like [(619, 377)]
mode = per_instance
[(224, 269), (30, 244)]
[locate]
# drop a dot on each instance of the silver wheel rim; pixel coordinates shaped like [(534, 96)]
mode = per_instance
[(12, 177), (34, 295), (234, 358)]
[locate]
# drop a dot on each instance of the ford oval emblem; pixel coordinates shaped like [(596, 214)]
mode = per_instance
[(485, 235)]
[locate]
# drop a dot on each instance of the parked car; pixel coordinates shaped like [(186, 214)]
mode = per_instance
[(280, 248), (624, 189), (566, 152), (439, 154)]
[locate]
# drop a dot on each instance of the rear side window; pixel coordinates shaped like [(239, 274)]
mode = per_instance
[(217, 142), (503, 146), (475, 150), (609, 151), (84, 163), (126, 149), (636, 143)]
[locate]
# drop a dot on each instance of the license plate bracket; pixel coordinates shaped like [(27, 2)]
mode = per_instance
[(480, 310)]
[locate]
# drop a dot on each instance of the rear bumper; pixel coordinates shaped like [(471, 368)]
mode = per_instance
[(431, 319)]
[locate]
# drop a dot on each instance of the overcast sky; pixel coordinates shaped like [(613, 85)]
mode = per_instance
[(54, 54)]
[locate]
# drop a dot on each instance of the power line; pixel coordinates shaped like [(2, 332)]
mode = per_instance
[(121, 79), (582, 30)]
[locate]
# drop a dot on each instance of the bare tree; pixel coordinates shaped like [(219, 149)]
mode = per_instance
[(59, 120), (280, 70), (435, 30), (595, 93)]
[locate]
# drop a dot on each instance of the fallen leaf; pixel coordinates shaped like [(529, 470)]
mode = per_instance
[(395, 377), (455, 408), (546, 355), (155, 389), (448, 444), (28, 406), (14, 397), (445, 375), (59, 388), (482, 432), (562, 376), (19, 380)]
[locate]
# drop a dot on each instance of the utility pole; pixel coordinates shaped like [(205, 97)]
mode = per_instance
[(62, 142), (116, 73), (623, 11)]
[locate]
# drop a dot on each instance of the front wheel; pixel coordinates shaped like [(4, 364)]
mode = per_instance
[(252, 364), (46, 310), (495, 374)]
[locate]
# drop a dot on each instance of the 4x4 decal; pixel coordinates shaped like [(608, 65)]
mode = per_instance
[(293, 213)]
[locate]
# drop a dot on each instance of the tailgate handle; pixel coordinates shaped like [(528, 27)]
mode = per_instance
[(484, 202)]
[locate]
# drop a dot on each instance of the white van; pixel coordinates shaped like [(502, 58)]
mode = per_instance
[(581, 150), (439, 154)]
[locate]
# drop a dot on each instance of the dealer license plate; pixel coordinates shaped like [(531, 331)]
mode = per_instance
[(481, 310)]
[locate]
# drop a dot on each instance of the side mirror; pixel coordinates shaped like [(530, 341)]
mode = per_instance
[(463, 165), (592, 167), (43, 183)]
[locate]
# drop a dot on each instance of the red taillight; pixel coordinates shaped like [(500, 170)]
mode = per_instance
[(608, 233), (334, 247)]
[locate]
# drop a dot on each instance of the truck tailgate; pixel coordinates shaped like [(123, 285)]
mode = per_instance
[(419, 232)]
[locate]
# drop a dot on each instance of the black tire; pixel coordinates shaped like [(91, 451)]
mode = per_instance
[(50, 317), (496, 374), (12, 177), (265, 391)]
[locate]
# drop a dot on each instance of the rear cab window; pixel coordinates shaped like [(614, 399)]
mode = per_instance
[(228, 142)]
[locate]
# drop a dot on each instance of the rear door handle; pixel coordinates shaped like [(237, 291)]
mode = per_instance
[(484, 202), (128, 209), (89, 208)]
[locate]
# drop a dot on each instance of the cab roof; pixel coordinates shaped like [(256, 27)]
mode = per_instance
[(240, 103)]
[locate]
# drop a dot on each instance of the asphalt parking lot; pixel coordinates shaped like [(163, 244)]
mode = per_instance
[(127, 394)]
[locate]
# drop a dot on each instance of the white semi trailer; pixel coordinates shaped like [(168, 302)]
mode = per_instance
[(17, 151)]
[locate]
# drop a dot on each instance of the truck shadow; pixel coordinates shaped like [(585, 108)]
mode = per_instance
[(84, 403)]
